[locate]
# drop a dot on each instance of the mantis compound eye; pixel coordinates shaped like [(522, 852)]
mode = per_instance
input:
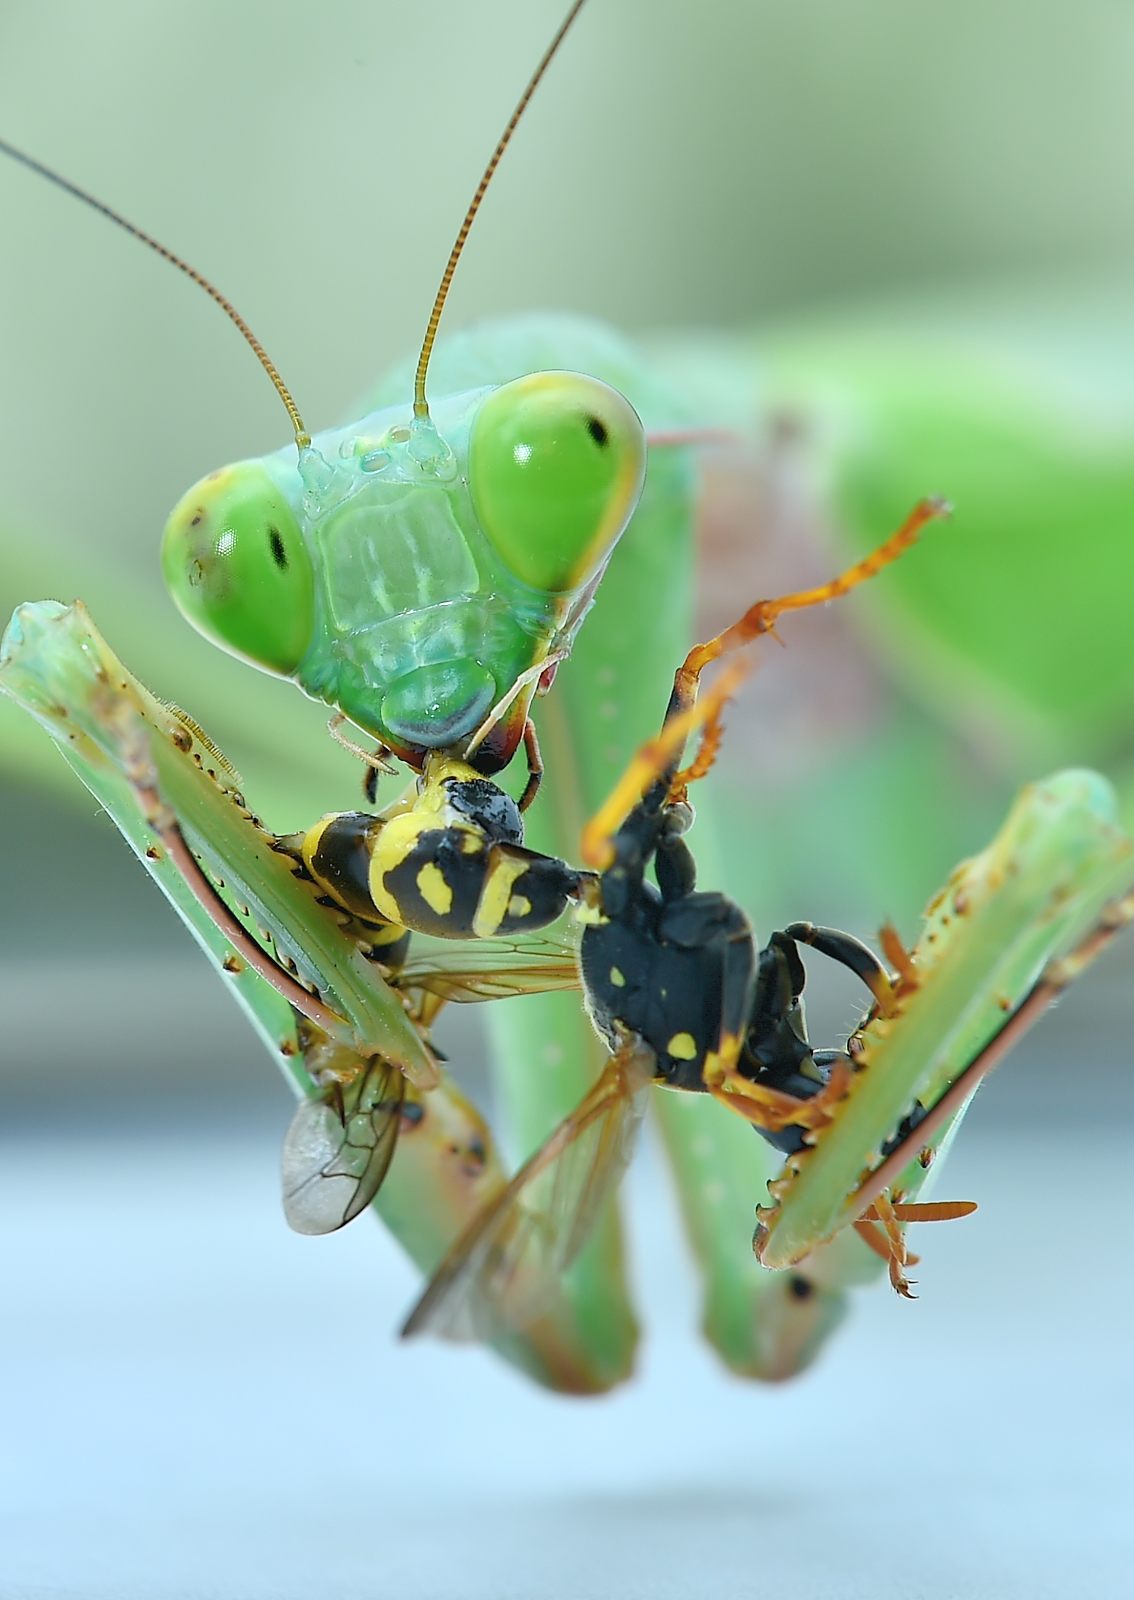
[(234, 560), (556, 466)]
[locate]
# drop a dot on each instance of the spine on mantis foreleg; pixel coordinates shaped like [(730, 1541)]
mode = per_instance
[(148, 765)]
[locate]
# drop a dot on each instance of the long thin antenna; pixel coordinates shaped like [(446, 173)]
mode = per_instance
[(302, 437), (420, 404)]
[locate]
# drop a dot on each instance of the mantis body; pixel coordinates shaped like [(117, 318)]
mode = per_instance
[(641, 618)]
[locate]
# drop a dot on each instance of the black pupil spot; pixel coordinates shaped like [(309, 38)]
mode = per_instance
[(279, 554), (596, 427), (799, 1287)]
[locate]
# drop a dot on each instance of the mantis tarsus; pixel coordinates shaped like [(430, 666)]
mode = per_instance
[(631, 656)]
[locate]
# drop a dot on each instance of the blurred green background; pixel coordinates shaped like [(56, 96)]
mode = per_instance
[(891, 245)]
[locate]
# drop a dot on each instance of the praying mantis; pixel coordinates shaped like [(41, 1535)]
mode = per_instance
[(758, 1322)]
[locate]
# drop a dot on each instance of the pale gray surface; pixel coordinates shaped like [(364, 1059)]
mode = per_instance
[(198, 1403)]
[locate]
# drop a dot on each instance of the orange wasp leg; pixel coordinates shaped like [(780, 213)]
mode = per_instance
[(773, 1109)]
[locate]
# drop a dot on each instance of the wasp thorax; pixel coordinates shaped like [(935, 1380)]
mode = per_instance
[(236, 565), (556, 465), (485, 806)]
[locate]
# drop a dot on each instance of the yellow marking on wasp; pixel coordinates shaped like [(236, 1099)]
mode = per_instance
[(617, 977), (496, 895), (390, 933), (436, 893), (519, 906), (719, 1064), (434, 796), (683, 1046), (309, 848), (712, 1073)]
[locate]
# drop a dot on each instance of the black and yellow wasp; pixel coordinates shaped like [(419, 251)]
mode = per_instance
[(671, 979)]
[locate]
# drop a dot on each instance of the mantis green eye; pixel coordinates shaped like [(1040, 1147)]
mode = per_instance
[(556, 465), (236, 565)]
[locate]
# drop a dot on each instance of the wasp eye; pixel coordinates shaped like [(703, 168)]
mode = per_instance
[(236, 565), (556, 465)]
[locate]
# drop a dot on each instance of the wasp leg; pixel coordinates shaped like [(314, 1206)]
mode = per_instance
[(658, 761), (762, 616), (851, 953), (883, 1211), (888, 1241), (772, 1110), (712, 736), (374, 766), (535, 766), (875, 1239), (652, 778)]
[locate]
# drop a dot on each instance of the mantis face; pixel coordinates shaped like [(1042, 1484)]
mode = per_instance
[(423, 579)]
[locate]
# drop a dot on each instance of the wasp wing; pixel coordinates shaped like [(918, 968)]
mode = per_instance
[(506, 1266), (490, 969), (338, 1148)]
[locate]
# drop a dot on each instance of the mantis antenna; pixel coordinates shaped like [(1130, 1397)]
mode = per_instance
[(302, 437), (420, 404)]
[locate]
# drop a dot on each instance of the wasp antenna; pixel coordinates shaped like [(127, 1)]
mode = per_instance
[(302, 437), (420, 404)]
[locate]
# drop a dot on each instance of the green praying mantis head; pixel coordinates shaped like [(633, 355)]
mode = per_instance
[(421, 577), (421, 573)]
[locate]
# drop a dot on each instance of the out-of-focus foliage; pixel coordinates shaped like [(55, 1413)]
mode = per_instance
[(1016, 625)]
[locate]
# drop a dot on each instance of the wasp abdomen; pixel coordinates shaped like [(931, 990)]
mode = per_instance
[(452, 883), (336, 852), (452, 865)]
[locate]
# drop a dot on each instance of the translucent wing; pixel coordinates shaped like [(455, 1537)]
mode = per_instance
[(338, 1148), (491, 969), (506, 1266)]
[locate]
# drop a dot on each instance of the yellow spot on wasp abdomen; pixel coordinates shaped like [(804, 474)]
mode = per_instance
[(496, 896), (617, 978), (436, 893), (519, 906), (683, 1047)]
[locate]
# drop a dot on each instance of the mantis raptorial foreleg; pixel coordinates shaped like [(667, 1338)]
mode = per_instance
[(111, 730)]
